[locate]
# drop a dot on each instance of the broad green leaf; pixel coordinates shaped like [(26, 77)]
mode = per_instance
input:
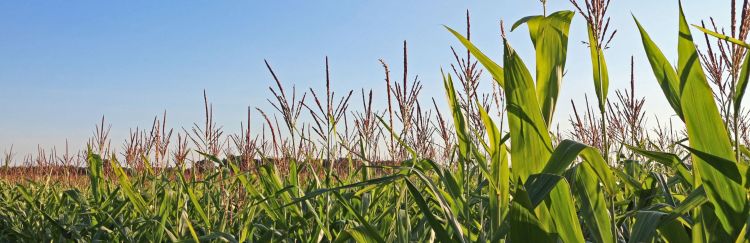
[(529, 137), (741, 85), (563, 212), (499, 171), (663, 71), (318, 192), (707, 134), (599, 66), (95, 173), (443, 201), (549, 34), (464, 141), (135, 198), (538, 187), (705, 128), (593, 207), (629, 180), (673, 231), (695, 199), (359, 234), (193, 234), (524, 225), (646, 223), (735, 172), (556, 191), (217, 236), (568, 150), (722, 36), (524, 20)]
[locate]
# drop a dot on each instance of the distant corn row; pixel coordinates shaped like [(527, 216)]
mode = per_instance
[(409, 173)]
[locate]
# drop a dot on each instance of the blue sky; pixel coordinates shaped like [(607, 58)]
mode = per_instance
[(64, 64)]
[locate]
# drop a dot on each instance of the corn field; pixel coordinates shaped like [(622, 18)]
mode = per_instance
[(490, 167)]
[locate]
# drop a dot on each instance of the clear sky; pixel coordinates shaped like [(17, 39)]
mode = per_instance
[(64, 64)]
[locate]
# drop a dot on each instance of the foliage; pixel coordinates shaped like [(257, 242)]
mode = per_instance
[(524, 185)]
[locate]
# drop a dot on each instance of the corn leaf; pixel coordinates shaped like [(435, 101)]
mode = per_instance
[(646, 223), (563, 212), (568, 150), (695, 199), (665, 75), (529, 137), (593, 207), (599, 66), (705, 129), (95, 173), (549, 34), (538, 187), (524, 224), (673, 231), (359, 234), (722, 36), (499, 172), (741, 86), (464, 141), (556, 190), (135, 198), (708, 134)]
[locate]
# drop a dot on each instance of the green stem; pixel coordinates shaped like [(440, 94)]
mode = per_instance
[(613, 224), (735, 124)]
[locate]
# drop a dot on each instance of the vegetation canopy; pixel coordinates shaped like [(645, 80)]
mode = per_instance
[(490, 167)]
